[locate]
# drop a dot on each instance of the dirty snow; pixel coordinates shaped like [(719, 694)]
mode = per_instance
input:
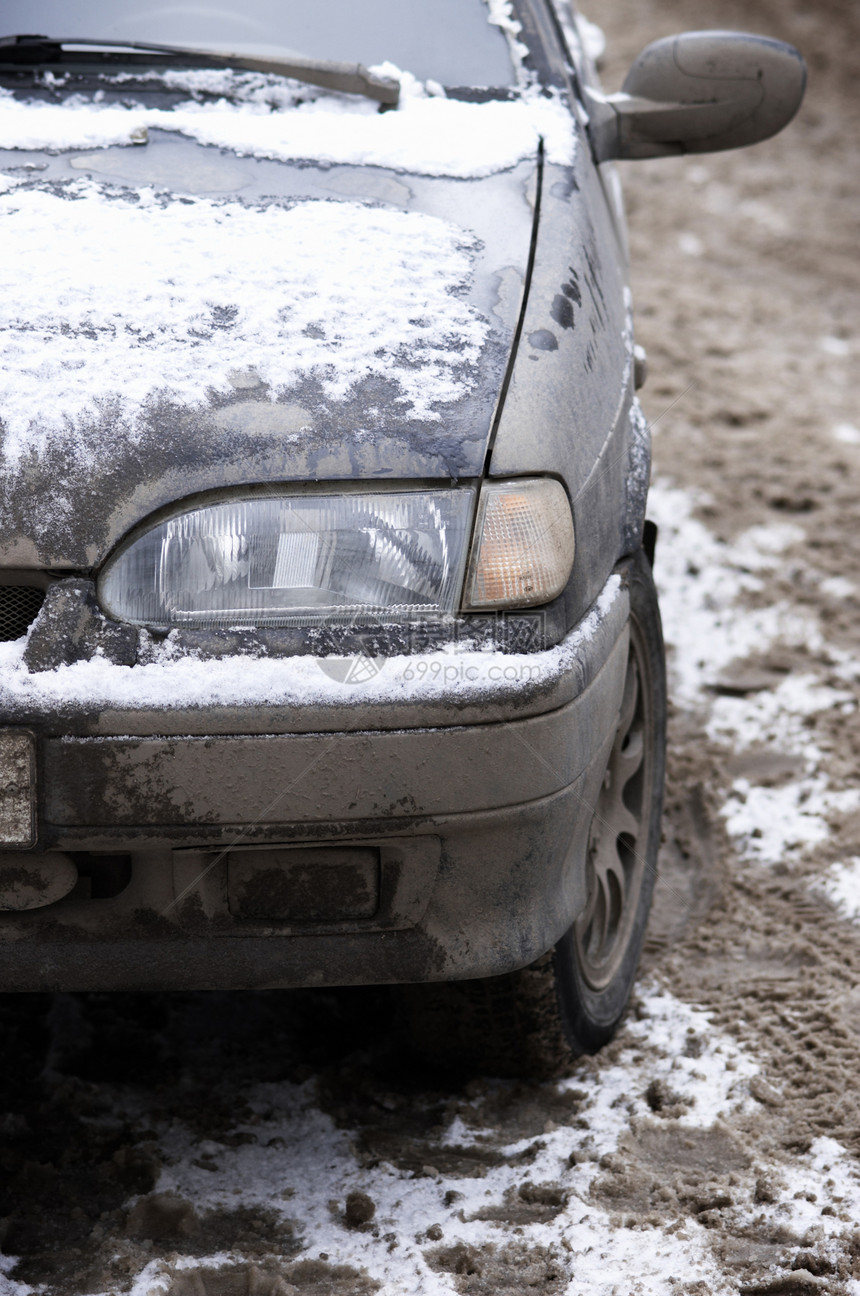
[(707, 1084), (175, 295), (297, 1162), (466, 672), (772, 825), (704, 619), (294, 1160), (711, 627), (841, 884), (776, 715), (427, 134), (839, 587), (835, 346)]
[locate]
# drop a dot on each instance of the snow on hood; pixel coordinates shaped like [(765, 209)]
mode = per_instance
[(329, 321), (176, 294), (270, 117)]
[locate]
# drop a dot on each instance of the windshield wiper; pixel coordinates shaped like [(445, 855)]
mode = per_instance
[(353, 78)]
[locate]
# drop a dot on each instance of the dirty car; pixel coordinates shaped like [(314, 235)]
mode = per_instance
[(331, 651)]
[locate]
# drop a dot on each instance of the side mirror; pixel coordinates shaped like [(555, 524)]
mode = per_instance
[(697, 93)]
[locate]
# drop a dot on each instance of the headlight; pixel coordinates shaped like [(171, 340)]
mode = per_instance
[(295, 560), (522, 554)]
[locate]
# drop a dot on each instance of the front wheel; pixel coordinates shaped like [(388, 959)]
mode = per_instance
[(595, 961), (571, 1000)]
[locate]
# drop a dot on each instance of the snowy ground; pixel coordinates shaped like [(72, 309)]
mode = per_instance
[(273, 1144)]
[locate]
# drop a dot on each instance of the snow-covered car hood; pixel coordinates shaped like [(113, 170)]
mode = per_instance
[(178, 317)]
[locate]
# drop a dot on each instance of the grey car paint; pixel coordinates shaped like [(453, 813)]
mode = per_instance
[(55, 512), (477, 844), (573, 353), (478, 858)]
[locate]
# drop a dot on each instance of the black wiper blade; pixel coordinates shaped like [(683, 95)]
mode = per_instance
[(352, 78)]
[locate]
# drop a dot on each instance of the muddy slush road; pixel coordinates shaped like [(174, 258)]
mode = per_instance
[(272, 1144)]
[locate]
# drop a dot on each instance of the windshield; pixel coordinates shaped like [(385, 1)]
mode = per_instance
[(449, 41)]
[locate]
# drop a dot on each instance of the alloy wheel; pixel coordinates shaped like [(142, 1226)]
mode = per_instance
[(616, 860)]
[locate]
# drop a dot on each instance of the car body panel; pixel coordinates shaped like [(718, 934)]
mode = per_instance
[(63, 506), (460, 812), (575, 356), (459, 685), (136, 784), (478, 832)]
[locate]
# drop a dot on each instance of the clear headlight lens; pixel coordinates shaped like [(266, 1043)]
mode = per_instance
[(296, 560), (523, 550)]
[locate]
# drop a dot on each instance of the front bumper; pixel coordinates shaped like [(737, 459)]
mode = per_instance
[(359, 839)]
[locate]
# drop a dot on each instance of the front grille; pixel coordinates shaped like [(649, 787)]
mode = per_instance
[(19, 607)]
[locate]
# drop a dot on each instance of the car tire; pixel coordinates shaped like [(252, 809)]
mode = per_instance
[(534, 1021)]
